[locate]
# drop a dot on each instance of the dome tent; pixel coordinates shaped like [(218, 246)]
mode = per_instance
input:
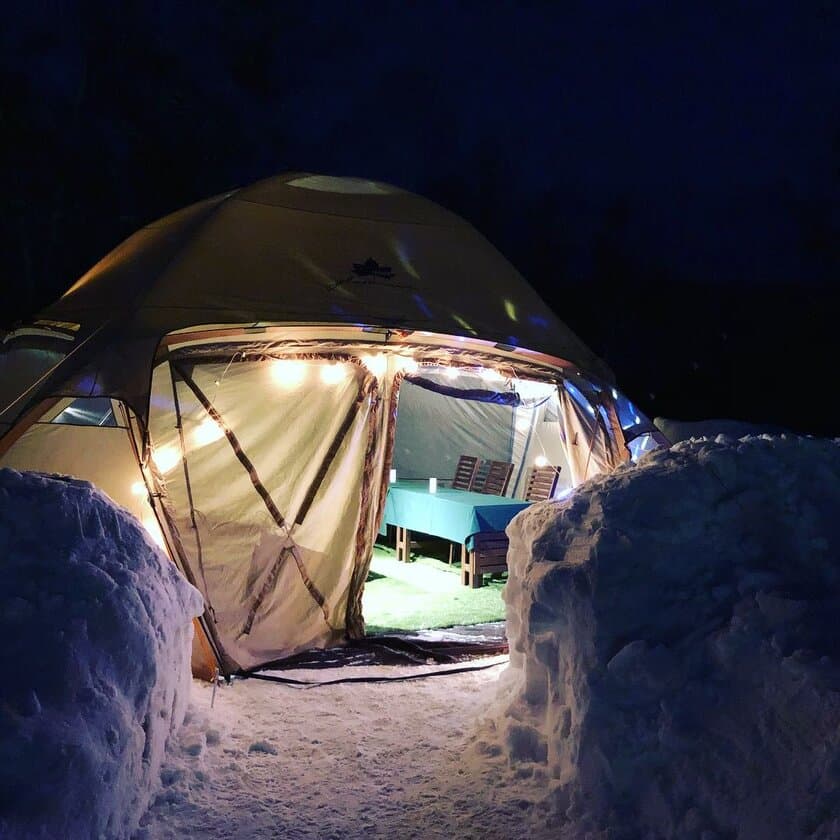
[(231, 374)]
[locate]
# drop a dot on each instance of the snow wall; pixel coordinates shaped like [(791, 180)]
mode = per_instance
[(674, 646), (96, 627)]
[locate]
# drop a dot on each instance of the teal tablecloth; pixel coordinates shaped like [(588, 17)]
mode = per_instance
[(456, 515)]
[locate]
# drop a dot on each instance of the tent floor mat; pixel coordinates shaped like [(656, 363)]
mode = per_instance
[(422, 648)]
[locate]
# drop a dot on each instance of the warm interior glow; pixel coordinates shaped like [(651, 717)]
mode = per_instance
[(540, 461), (151, 525), (333, 373), (523, 423), (288, 373), (207, 431), (138, 489), (451, 373), (377, 363), (408, 365), (166, 458), (490, 375)]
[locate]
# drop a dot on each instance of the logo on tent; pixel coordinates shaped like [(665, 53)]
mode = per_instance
[(371, 273)]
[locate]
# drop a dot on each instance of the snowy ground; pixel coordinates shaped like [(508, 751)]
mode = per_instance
[(674, 673), (342, 761), (96, 626)]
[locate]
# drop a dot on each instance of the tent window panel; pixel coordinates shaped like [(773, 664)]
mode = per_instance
[(579, 397), (88, 411), (101, 455), (628, 414)]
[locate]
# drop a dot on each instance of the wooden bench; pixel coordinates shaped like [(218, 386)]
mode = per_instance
[(488, 556)]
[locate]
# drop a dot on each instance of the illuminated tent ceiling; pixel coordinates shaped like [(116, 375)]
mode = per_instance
[(360, 285)]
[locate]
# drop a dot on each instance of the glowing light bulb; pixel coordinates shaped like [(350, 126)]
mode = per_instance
[(490, 375), (166, 458), (288, 373), (207, 431), (138, 489), (333, 373), (540, 461), (377, 363)]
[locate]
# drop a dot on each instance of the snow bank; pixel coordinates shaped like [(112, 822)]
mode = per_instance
[(679, 430), (674, 645), (95, 657)]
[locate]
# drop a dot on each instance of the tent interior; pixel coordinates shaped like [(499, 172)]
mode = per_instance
[(264, 463)]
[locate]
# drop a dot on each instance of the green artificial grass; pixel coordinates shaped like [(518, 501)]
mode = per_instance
[(425, 594)]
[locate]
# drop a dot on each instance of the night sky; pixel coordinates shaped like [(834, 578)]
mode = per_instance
[(665, 174)]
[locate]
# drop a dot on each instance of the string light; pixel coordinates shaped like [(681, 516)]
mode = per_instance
[(540, 461), (377, 363), (288, 373), (490, 375), (333, 373)]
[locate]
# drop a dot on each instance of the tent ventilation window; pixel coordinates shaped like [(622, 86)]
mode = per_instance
[(88, 411)]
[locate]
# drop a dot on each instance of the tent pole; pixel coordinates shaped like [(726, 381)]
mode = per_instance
[(190, 500), (205, 622)]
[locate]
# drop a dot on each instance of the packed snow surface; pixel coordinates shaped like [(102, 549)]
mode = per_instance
[(674, 645), (96, 629), (679, 430), (673, 674), (346, 761)]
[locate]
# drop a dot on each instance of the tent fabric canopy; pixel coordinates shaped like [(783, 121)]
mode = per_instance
[(257, 346), (274, 252)]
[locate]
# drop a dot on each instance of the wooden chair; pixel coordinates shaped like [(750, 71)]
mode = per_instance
[(542, 482), (464, 479), (488, 556), (498, 478), (465, 472)]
